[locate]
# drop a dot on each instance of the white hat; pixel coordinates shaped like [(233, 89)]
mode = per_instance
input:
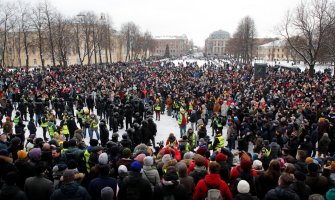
[(243, 187), (257, 164), (148, 161), (103, 159)]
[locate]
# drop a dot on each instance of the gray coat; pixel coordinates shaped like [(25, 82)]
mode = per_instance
[(151, 174)]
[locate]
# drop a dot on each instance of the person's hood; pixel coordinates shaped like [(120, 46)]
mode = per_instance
[(213, 179), (69, 188)]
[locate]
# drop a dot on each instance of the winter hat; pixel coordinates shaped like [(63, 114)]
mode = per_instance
[(188, 155), (126, 153), (330, 194), (107, 193), (243, 187), (22, 154), (140, 158), (148, 161), (35, 154), (7, 118), (122, 170), (166, 158), (246, 164), (166, 151), (171, 174), (309, 160), (68, 176), (135, 166), (103, 159), (199, 160), (257, 165), (202, 151), (220, 157)]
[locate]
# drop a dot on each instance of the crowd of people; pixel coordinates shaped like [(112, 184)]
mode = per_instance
[(240, 137)]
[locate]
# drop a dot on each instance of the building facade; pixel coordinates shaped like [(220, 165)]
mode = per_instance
[(215, 44), (178, 45), (274, 51)]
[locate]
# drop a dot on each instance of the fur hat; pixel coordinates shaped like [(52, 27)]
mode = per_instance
[(243, 187), (148, 161), (103, 159), (135, 166)]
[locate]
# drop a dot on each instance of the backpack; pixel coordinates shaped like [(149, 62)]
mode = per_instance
[(182, 147), (213, 192)]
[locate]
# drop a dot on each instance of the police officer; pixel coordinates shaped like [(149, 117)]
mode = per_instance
[(218, 141)]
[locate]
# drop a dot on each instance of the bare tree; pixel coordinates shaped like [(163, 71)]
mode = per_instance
[(39, 25), (129, 32), (48, 12), (242, 43), (7, 11), (24, 29), (306, 28)]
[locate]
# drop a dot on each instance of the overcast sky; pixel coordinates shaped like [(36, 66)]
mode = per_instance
[(195, 18)]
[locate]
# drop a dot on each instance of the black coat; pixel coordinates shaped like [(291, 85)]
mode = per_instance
[(134, 183), (164, 190)]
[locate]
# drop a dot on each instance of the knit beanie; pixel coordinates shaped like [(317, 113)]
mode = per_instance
[(107, 193), (35, 154), (243, 187), (126, 153), (22, 154), (122, 170), (140, 158), (257, 165), (148, 161), (220, 157), (103, 159), (135, 166), (330, 194), (188, 155)]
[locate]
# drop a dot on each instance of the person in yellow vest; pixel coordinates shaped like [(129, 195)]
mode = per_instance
[(218, 141), (182, 118), (51, 128), (94, 125), (86, 121), (65, 129), (80, 116), (157, 108), (44, 125)]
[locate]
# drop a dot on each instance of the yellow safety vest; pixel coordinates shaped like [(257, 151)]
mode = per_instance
[(16, 120), (51, 129), (65, 129), (45, 123), (87, 157), (158, 107), (221, 142)]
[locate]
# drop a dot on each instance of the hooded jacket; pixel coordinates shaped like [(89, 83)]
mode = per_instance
[(70, 191), (212, 180)]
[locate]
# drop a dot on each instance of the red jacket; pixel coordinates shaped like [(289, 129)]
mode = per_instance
[(200, 191)]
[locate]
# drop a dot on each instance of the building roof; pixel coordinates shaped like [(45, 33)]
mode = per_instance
[(220, 34), (276, 43), (184, 37)]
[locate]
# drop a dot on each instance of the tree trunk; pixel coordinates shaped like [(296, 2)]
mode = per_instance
[(26, 48), (40, 47), (4, 44), (311, 70)]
